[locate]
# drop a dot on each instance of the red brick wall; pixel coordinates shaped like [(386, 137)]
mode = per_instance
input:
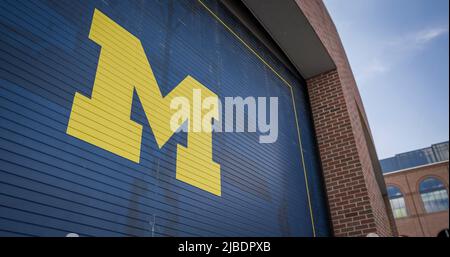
[(346, 149), (418, 222)]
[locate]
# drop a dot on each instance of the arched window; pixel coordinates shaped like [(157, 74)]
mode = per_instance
[(397, 202), (434, 195)]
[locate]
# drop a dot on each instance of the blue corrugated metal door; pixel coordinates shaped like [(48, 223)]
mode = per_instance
[(52, 183)]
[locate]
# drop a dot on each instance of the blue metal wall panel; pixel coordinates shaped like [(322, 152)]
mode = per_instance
[(52, 183)]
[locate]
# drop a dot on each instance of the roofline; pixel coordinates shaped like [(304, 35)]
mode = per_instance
[(416, 167), (411, 151)]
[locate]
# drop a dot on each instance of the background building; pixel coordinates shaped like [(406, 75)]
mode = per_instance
[(436, 153), (417, 184), (320, 178)]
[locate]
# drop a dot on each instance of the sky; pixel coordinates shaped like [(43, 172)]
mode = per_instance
[(399, 53)]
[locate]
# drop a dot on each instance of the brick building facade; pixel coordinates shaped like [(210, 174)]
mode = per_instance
[(415, 220), (356, 194)]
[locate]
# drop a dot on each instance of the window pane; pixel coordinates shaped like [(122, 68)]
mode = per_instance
[(434, 195), (398, 207), (394, 192), (397, 202), (435, 201)]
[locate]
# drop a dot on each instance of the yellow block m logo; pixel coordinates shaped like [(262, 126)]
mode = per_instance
[(104, 119)]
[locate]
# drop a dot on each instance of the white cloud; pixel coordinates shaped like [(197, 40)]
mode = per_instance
[(394, 50), (377, 67), (427, 35), (373, 68), (416, 39)]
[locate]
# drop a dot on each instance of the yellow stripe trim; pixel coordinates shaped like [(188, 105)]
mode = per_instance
[(293, 102)]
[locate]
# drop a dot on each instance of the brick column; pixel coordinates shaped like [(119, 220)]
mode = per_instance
[(356, 204)]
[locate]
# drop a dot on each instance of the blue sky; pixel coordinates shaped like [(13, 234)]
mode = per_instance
[(399, 53)]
